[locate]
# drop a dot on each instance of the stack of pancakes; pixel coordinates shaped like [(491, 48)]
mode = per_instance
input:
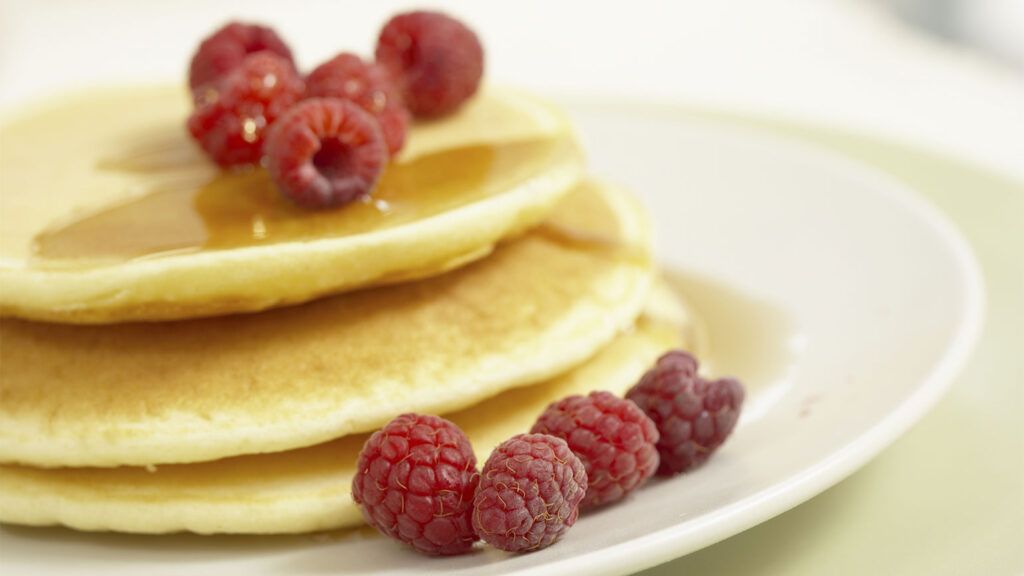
[(182, 349)]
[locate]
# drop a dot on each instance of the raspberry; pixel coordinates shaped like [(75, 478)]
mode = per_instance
[(367, 84), (225, 49), (613, 437), (437, 60), (529, 493), (415, 481), (326, 152), (693, 415), (229, 121)]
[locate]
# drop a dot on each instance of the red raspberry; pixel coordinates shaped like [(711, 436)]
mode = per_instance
[(368, 84), (437, 60), (529, 493), (225, 49), (326, 152), (613, 437), (229, 122), (693, 415), (415, 481)]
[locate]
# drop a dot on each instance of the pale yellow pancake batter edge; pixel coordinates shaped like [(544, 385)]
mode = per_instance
[(33, 497), (261, 277), (585, 328), (213, 283)]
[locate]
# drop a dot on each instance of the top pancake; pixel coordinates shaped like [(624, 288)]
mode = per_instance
[(108, 213), (149, 393)]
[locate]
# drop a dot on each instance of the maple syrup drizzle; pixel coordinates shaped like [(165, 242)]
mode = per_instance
[(244, 208)]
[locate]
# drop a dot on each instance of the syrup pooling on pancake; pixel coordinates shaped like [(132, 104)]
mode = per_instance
[(105, 149), (240, 209), (148, 393), (110, 214)]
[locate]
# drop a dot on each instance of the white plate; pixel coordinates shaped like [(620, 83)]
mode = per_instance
[(844, 301)]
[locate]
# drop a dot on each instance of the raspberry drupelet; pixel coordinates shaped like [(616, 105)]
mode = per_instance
[(368, 84), (436, 60), (230, 119), (613, 437), (529, 493), (415, 481), (694, 416), (225, 49), (326, 152)]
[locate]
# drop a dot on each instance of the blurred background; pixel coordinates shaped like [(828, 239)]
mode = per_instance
[(993, 26), (944, 74)]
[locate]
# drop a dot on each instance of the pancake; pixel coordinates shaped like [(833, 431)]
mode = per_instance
[(109, 213), (307, 489), (148, 393)]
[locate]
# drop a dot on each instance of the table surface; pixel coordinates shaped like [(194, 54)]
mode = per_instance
[(948, 497)]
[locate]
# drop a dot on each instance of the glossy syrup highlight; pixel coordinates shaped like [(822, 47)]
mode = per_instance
[(191, 212)]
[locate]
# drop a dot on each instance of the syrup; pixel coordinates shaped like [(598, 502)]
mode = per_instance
[(747, 337), (240, 209)]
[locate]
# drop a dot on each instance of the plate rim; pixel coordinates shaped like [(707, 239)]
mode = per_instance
[(670, 543), (693, 534)]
